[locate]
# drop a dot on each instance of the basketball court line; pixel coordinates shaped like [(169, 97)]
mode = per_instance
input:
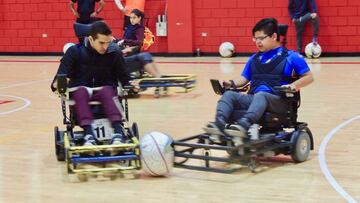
[(322, 160), (27, 103), (191, 62), (6, 101)]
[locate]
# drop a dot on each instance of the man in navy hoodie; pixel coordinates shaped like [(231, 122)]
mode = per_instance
[(97, 63), (301, 11)]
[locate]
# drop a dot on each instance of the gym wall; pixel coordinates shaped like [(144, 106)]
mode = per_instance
[(44, 26)]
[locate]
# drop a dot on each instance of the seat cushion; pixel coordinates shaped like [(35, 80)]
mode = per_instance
[(271, 120)]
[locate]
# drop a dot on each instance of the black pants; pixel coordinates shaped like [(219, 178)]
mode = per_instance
[(299, 26), (137, 62)]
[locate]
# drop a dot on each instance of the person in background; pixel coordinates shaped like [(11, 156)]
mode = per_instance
[(302, 11), (86, 12), (134, 34), (130, 5)]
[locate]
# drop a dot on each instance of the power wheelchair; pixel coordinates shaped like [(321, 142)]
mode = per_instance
[(274, 134), (68, 142)]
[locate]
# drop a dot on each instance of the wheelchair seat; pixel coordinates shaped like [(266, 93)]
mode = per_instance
[(96, 110), (271, 120), (95, 107)]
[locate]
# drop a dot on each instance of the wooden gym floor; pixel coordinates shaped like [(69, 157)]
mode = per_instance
[(29, 111)]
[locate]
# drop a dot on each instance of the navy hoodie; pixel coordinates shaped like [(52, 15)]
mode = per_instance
[(86, 67)]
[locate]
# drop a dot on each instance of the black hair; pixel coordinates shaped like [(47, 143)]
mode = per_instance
[(269, 26), (138, 13), (99, 27)]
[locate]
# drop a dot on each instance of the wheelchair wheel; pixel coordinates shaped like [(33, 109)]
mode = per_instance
[(59, 144), (135, 130), (301, 147)]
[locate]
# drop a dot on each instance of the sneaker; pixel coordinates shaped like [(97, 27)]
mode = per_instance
[(314, 40), (89, 140), (213, 128), (240, 128), (118, 139), (236, 130), (245, 123)]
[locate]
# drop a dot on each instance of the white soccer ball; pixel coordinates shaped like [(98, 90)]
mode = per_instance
[(67, 46), (226, 49), (313, 50), (157, 154)]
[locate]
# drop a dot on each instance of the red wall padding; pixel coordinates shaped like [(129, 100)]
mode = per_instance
[(232, 20), (23, 23)]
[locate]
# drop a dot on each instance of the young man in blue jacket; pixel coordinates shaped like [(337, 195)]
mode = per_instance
[(302, 11), (272, 66)]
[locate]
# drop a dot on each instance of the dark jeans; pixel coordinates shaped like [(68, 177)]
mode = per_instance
[(299, 26), (106, 96), (137, 62), (256, 105)]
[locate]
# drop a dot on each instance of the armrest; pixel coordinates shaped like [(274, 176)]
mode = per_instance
[(220, 90), (61, 83), (288, 92), (217, 87)]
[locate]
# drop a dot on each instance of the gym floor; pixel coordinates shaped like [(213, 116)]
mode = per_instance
[(29, 111)]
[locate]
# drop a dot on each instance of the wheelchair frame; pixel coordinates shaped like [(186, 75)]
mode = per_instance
[(186, 81), (67, 143), (293, 138)]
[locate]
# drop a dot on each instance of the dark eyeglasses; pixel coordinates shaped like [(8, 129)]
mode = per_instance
[(261, 38)]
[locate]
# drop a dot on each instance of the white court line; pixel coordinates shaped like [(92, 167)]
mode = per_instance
[(27, 103), (322, 160), (25, 83)]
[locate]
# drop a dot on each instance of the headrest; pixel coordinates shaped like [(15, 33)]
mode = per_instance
[(283, 28), (82, 30)]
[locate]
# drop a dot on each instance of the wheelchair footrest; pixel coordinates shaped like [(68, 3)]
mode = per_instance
[(97, 170), (226, 150), (95, 148), (213, 131), (77, 160), (186, 81)]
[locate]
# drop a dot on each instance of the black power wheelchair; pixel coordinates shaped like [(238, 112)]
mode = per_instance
[(68, 143), (274, 134)]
